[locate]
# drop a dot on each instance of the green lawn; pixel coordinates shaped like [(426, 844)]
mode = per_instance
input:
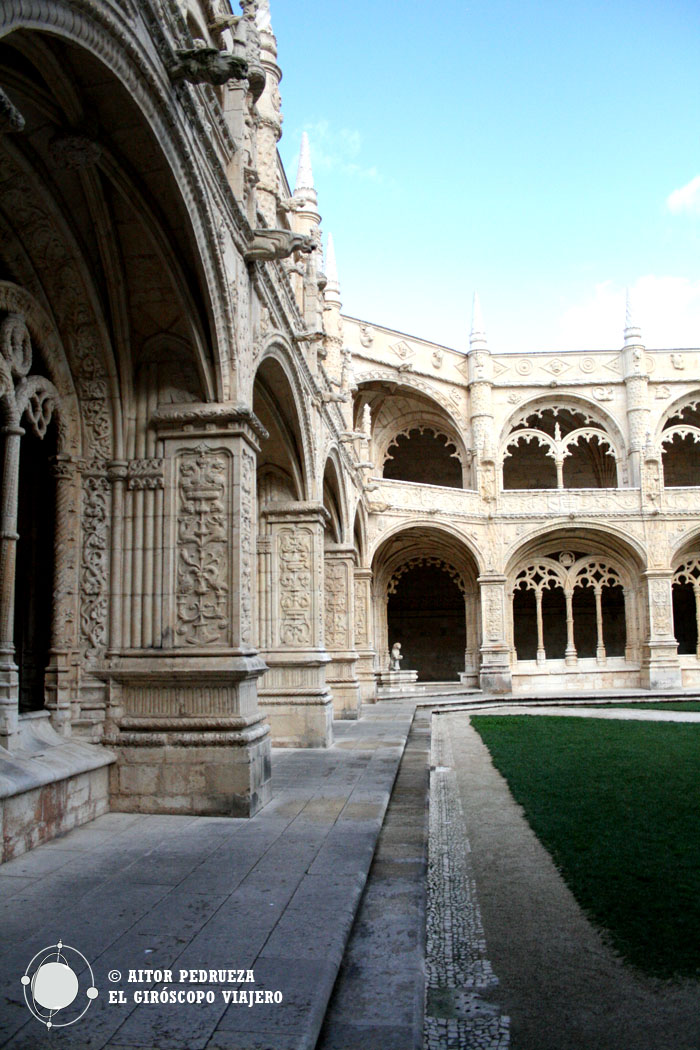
[(617, 804)]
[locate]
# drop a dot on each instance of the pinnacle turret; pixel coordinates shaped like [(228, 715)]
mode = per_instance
[(477, 337), (333, 285), (305, 177), (633, 333)]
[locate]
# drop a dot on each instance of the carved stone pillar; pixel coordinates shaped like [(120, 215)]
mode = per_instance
[(60, 679), (183, 712), (495, 676), (9, 678), (339, 611), (660, 663), (293, 694), (363, 635), (380, 608)]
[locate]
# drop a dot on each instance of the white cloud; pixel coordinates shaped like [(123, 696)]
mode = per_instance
[(337, 150), (666, 308), (685, 199)]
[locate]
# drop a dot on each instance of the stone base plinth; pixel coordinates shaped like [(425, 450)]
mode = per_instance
[(344, 686), (396, 681), (214, 777), (189, 737), (296, 700), (297, 722), (367, 678), (661, 666), (495, 680)]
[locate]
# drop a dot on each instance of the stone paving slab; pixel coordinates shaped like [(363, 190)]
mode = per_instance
[(276, 894)]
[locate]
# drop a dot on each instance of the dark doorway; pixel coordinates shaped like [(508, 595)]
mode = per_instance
[(685, 625), (426, 614), (34, 568)]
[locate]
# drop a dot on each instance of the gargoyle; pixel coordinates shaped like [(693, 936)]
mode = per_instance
[(276, 244), (207, 65)]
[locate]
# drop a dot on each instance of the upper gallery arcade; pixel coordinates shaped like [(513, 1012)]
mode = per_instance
[(222, 501)]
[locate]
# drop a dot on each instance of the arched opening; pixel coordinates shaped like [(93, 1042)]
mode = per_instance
[(425, 596), (680, 443), (281, 459), (426, 614), (685, 626), (529, 467), (686, 605), (411, 437), (333, 503), (34, 575), (558, 448), (425, 458), (570, 605)]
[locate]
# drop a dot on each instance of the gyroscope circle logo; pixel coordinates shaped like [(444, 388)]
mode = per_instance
[(58, 981)]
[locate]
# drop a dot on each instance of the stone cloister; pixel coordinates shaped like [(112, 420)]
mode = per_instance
[(223, 500)]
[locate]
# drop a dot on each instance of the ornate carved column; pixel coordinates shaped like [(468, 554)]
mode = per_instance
[(9, 680), (636, 378), (660, 663), (541, 653), (495, 673), (600, 653), (60, 678), (363, 635), (570, 654), (293, 693), (184, 714), (339, 611)]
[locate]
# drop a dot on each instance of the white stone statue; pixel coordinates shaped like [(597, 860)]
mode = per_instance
[(396, 657)]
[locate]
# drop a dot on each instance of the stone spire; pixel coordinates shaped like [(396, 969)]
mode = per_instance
[(262, 17), (633, 334), (332, 285), (305, 178), (477, 337)]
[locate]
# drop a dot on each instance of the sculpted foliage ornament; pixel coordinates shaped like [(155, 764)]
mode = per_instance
[(202, 548), (336, 606), (295, 586)]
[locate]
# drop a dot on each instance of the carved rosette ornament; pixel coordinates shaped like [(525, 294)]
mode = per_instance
[(202, 550)]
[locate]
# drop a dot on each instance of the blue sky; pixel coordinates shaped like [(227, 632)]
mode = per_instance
[(545, 153)]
